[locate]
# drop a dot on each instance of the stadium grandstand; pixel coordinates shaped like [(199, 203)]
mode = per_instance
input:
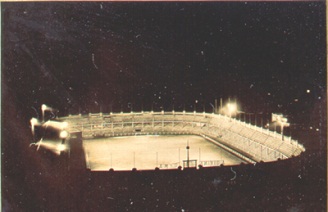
[(249, 142)]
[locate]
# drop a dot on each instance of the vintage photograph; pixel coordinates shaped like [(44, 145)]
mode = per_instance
[(164, 106)]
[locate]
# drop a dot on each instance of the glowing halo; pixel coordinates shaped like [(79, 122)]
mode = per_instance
[(61, 147), (34, 122), (56, 124), (63, 134)]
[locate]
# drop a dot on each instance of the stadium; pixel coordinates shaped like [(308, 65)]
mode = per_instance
[(164, 140), (153, 61), (192, 154)]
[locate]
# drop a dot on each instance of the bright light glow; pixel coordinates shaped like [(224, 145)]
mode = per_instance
[(61, 147), (34, 121), (65, 125), (63, 134), (53, 146), (46, 108), (284, 119), (56, 124), (43, 107), (232, 107), (308, 91), (276, 117), (280, 119)]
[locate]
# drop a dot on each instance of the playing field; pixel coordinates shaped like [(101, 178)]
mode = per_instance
[(148, 152)]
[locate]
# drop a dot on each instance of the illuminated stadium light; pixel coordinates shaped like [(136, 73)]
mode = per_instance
[(63, 134), (34, 122), (56, 124), (280, 120), (61, 147), (230, 109), (45, 108), (51, 145), (64, 124)]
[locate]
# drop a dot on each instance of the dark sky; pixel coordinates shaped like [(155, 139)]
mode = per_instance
[(164, 55)]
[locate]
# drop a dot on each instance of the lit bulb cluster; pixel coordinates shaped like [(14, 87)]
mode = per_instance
[(230, 109), (50, 144)]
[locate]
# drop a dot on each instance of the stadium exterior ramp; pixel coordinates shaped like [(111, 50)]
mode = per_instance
[(251, 143)]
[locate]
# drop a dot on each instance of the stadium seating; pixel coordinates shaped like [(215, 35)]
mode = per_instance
[(257, 143)]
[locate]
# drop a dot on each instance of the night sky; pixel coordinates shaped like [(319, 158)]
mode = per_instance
[(164, 55), (87, 57)]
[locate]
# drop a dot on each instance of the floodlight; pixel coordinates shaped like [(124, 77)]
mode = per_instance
[(56, 124), (64, 125), (34, 121), (61, 147), (232, 107), (44, 107), (63, 134)]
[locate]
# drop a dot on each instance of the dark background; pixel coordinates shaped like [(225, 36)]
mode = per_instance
[(91, 57)]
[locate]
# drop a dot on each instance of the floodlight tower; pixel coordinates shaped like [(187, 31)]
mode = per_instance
[(45, 108), (232, 108), (282, 121)]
